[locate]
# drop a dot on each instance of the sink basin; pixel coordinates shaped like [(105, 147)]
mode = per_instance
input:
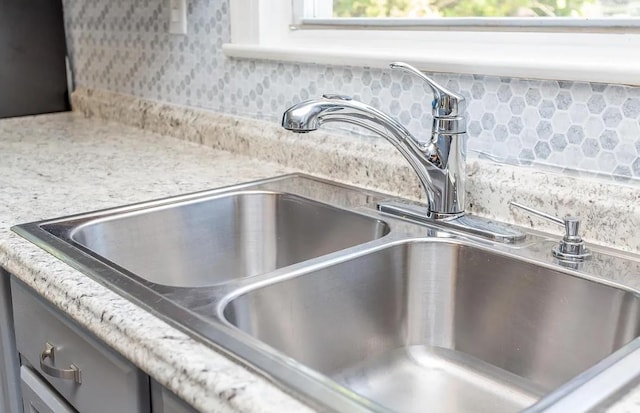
[(207, 241), (440, 325)]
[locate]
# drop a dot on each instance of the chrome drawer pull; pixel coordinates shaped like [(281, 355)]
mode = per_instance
[(72, 373)]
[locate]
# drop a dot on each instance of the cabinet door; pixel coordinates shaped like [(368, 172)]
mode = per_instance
[(163, 401), (9, 380), (37, 397)]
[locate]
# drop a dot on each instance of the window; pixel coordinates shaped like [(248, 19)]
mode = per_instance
[(447, 9), (603, 49)]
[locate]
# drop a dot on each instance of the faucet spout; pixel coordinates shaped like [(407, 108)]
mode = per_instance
[(438, 162)]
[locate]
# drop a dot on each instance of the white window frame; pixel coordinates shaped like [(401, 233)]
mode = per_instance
[(261, 29)]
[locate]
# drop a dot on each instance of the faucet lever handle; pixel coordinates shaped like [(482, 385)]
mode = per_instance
[(446, 103), (571, 246)]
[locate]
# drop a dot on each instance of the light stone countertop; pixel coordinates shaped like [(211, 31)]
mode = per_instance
[(56, 165)]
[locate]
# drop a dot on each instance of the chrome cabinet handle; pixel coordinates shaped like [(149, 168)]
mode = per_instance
[(72, 373)]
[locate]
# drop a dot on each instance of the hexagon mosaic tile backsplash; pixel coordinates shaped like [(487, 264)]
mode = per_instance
[(124, 46)]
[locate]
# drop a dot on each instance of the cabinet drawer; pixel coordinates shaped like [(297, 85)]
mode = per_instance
[(90, 376), (37, 397)]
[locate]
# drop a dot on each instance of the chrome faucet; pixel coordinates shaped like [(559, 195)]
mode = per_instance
[(439, 162)]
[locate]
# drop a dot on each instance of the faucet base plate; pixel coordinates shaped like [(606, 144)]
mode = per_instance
[(469, 224)]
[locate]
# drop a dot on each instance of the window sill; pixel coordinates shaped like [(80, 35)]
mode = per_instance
[(606, 58)]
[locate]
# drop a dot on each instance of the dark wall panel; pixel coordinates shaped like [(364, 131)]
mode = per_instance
[(32, 58)]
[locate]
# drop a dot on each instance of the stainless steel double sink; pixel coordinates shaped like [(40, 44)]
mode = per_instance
[(352, 310)]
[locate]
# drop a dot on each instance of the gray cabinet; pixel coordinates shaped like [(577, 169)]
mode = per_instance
[(65, 369), (88, 375)]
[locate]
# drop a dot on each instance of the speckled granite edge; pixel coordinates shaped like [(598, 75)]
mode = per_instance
[(608, 210)]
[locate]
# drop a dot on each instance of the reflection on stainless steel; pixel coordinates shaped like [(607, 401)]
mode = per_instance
[(457, 328), (421, 317), (439, 162), (214, 239), (572, 247)]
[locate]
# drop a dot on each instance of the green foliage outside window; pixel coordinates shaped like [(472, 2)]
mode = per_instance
[(464, 8)]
